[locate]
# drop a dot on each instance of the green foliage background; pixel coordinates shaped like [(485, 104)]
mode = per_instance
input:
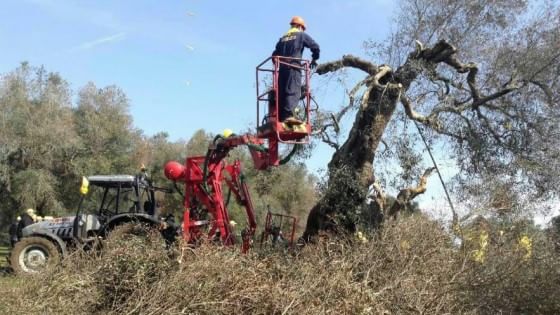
[(49, 140)]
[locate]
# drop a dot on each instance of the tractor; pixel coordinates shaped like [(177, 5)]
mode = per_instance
[(107, 201)]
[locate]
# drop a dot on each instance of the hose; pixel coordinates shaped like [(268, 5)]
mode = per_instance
[(205, 167), (288, 157), (178, 190)]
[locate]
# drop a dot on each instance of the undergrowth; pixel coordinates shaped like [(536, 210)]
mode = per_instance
[(410, 266)]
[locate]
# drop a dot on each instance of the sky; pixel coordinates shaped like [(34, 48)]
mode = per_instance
[(184, 64), (188, 64)]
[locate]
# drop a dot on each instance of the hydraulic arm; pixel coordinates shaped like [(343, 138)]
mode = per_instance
[(205, 210)]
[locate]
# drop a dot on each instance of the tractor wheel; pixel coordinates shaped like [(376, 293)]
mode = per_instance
[(32, 255)]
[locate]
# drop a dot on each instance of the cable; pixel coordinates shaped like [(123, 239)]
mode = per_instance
[(178, 190), (455, 218), (290, 155)]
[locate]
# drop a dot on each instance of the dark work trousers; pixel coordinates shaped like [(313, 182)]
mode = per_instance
[(289, 93)]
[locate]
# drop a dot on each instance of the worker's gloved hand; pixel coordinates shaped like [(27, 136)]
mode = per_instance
[(313, 64)]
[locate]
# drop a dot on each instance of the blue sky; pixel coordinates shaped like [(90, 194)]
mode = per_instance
[(184, 64)]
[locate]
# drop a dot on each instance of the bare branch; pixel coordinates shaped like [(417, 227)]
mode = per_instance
[(411, 113), (352, 98), (383, 71), (407, 194), (546, 90), (347, 61), (386, 146), (327, 139), (488, 125)]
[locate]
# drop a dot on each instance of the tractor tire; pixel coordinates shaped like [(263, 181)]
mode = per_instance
[(33, 255)]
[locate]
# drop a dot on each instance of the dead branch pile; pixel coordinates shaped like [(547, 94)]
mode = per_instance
[(410, 266)]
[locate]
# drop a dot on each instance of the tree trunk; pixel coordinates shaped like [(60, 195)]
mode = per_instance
[(350, 170)]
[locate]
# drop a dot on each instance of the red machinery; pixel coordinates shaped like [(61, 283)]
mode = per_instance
[(279, 228), (205, 211)]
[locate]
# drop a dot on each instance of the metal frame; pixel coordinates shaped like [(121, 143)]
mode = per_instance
[(203, 187), (270, 224), (278, 134)]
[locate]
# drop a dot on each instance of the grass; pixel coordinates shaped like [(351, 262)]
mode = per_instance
[(8, 283), (410, 266), (3, 253)]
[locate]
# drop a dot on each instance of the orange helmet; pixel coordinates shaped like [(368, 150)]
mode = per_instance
[(297, 20)]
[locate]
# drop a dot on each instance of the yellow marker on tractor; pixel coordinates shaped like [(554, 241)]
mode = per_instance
[(84, 188)]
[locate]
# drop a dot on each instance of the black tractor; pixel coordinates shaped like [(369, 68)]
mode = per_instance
[(107, 201)]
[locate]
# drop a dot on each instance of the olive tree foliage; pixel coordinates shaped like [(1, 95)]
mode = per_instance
[(36, 141), (105, 126), (478, 77), (47, 143), (152, 152)]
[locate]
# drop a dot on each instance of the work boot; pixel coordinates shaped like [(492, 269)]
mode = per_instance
[(292, 121)]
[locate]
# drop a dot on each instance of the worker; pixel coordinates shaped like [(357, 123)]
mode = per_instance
[(14, 232), (289, 78), (27, 218)]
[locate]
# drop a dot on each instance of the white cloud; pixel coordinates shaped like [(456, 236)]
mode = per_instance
[(100, 41)]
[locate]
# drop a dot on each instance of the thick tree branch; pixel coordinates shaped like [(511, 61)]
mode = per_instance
[(378, 195), (347, 61), (446, 53), (480, 101), (411, 113), (406, 195), (383, 71)]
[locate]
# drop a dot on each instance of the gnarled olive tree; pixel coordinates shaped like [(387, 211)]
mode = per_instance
[(481, 76)]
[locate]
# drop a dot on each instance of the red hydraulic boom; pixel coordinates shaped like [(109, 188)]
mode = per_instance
[(205, 210)]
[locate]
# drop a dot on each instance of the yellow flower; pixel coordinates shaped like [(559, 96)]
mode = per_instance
[(479, 255), (405, 245), (527, 244), (361, 237)]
